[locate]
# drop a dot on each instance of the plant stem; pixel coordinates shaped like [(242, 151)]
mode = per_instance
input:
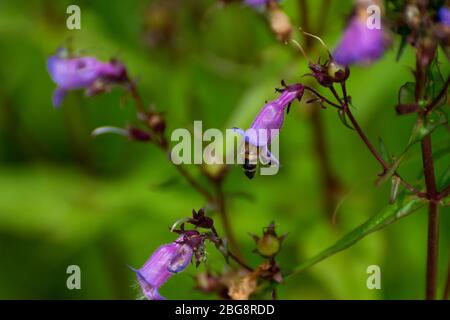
[(433, 219), (444, 192), (197, 186), (447, 284), (324, 99), (330, 184), (221, 208), (233, 256), (136, 96), (220, 199), (304, 18), (323, 16), (240, 262), (433, 195), (369, 145), (274, 293), (357, 127), (162, 143)]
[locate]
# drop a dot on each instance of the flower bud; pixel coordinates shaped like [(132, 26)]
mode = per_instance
[(412, 16), (157, 122), (268, 245), (338, 72), (137, 134), (280, 24)]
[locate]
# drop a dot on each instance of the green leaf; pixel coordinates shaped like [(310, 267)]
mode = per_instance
[(407, 99), (424, 126), (394, 189), (407, 93), (402, 47), (446, 201), (435, 82), (343, 118), (401, 208), (444, 180), (384, 152)]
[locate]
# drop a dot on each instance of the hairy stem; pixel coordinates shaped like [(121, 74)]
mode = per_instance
[(430, 182), (322, 98), (234, 257), (162, 143), (136, 96), (433, 220), (373, 150), (357, 127)]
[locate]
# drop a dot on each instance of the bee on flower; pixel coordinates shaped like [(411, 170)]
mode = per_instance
[(265, 128)]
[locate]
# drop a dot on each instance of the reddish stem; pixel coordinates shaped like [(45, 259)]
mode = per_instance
[(433, 219)]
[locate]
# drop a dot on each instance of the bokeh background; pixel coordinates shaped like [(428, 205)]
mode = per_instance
[(106, 203)]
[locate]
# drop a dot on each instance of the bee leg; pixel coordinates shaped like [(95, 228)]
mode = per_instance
[(269, 159)]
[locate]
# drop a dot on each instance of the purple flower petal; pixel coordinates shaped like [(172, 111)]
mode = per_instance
[(444, 15), (81, 73), (271, 117), (256, 3), (359, 44), (181, 259), (164, 262), (58, 97)]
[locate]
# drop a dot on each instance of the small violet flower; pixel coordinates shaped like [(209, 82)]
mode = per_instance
[(270, 119), (359, 43), (82, 73), (166, 261), (444, 15), (257, 3)]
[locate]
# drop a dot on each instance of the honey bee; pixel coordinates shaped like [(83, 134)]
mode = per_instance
[(250, 165), (254, 154)]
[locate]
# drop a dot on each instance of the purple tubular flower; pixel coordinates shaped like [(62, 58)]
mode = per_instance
[(359, 44), (270, 119), (81, 73), (444, 15), (256, 3), (165, 261)]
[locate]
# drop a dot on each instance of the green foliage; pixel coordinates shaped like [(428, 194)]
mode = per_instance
[(105, 203), (399, 209), (424, 126)]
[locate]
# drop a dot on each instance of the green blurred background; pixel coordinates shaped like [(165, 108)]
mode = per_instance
[(105, 203)]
